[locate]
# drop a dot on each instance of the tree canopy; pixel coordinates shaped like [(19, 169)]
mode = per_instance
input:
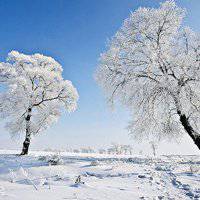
[(152, 66), (33, 83)]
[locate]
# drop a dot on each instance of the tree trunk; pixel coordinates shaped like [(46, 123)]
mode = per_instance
[(27, 140), (188, 128)]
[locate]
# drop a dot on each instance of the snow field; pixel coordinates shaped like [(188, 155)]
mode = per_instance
[(103, 177)]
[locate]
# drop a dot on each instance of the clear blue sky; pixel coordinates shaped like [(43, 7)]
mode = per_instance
[(75, 32)]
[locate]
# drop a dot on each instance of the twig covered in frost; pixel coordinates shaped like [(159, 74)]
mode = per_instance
[(12, 176), (25, 174)]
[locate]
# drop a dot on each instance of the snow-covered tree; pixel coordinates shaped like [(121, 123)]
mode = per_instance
[(152, 66), (34, 94), (115, 149), (102, 151), (120, 149), (87, 150), (127, 149)]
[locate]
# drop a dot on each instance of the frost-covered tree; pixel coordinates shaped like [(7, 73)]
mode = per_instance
[(34, 94), (152, 66)]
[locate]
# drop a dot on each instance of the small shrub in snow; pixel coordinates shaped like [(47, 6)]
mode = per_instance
[(12, 176), (54, 160), (141, 176), (78, 180), (194, 169), (94, 163), (42, 158), (162, 168)]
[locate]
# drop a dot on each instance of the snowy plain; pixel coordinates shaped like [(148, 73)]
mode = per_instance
[(103, 177)]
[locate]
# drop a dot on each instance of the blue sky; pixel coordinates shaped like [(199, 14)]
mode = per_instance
[(75, 32)]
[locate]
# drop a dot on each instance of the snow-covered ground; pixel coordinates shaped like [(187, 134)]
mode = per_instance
[(103, 177)]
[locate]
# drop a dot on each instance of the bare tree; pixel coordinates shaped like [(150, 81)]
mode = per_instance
[(35, 94), (154, 147), (153, 67)]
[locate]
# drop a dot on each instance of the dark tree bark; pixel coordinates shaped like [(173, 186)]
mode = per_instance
[(27, 140), (188, 128)]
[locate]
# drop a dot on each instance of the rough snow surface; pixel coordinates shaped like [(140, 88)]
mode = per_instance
[(103, 177)]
